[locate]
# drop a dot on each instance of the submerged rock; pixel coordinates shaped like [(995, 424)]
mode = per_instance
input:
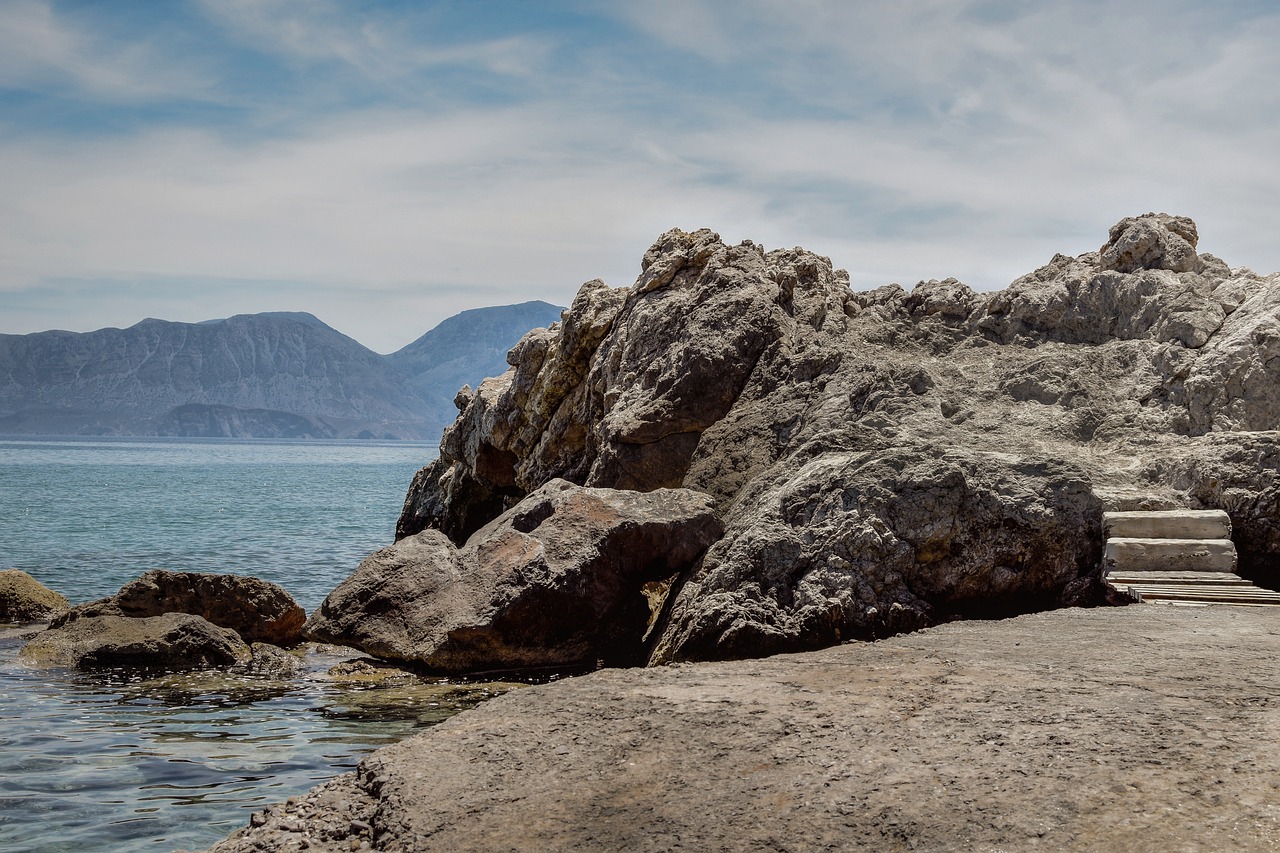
[(173, 641), (25, 599), (884, 460), (554, 582)]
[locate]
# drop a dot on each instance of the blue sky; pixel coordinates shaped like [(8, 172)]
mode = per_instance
[(386, 164)]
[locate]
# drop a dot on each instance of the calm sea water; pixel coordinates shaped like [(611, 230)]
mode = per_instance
[(102, 762)]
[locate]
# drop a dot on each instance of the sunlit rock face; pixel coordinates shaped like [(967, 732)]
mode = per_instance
[(885, 460)]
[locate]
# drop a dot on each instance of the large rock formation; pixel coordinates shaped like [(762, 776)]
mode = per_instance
[(888, 459), (556, 581)]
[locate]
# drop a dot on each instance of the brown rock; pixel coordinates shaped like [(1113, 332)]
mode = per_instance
[(171, 641), (25, 599), (259, 611), (555, 581)]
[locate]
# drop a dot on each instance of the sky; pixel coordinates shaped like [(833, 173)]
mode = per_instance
[(385, 165)]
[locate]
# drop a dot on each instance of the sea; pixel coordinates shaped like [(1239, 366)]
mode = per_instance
[(115, 761)]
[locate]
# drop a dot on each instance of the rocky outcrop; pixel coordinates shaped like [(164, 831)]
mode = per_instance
[(25, 599), (889, 459), (173, 641), (257, 610), (555, 581)]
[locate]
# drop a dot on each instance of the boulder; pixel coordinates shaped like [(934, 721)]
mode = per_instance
[(890, 459), (556, 581), (259, 611), (25, 599), (173, 641)]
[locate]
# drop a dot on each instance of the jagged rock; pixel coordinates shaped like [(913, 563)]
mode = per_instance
[(258, 610), (888, 459), (171, 641), (555, 581), (25, 599)]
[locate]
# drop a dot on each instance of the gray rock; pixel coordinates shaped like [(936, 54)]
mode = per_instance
[(25, 599), (172, 641), (258, 610), (555, 581), (889, 459)]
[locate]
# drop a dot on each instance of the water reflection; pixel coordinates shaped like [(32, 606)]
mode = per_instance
[(132, 761)]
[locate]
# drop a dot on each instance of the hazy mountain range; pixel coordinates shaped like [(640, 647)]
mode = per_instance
[(285, 375)]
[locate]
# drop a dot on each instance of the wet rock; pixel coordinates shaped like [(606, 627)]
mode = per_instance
[(25, 599), (172, 641), (269, 661), (259, 611), (556, 581)]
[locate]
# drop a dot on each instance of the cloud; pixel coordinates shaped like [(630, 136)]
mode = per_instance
[(905, 142), (40, 49), (376, 44)]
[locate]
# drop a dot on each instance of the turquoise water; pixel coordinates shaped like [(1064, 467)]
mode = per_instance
[(102, 762)]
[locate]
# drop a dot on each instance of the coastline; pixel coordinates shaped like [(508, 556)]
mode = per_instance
[(1143, 728)]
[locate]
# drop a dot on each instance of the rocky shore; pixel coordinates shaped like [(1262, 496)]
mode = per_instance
[(1141, 728), (738, 457)]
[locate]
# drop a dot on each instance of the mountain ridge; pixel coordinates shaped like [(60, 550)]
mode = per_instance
[(254, 374)]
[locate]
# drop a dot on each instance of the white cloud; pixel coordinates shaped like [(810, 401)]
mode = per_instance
[(919, 142), (39, 48), (378, 46)]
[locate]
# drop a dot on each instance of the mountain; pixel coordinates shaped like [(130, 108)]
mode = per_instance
[(447, 357), (279, 374)]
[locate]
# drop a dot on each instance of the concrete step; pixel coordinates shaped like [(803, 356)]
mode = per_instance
[(1172, 524), (1131, 554), (1177, 578), (1251, 595)]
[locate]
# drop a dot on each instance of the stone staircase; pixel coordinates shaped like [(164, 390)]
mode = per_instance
[(1176, 557)]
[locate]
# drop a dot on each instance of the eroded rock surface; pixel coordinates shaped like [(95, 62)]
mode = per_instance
[(555, 581), (888, 459)]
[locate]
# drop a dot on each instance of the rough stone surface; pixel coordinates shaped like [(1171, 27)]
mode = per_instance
[(1040, 732), (258, 610), (888, 459), (555, 581), (171, 641), (25, 599)]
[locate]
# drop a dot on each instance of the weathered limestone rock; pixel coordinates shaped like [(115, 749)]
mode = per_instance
[(259, 611), (888, 459), (555, 581), (25, 599), (169, 641)]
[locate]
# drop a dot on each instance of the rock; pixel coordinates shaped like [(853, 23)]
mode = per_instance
[(269, 661), (170, 641), (1040, 732), (25, 599), (259, 611), (1155, 241), (890, 459), (555, 581)]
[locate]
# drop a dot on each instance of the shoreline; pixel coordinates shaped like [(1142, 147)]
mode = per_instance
[(1139, 728)]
